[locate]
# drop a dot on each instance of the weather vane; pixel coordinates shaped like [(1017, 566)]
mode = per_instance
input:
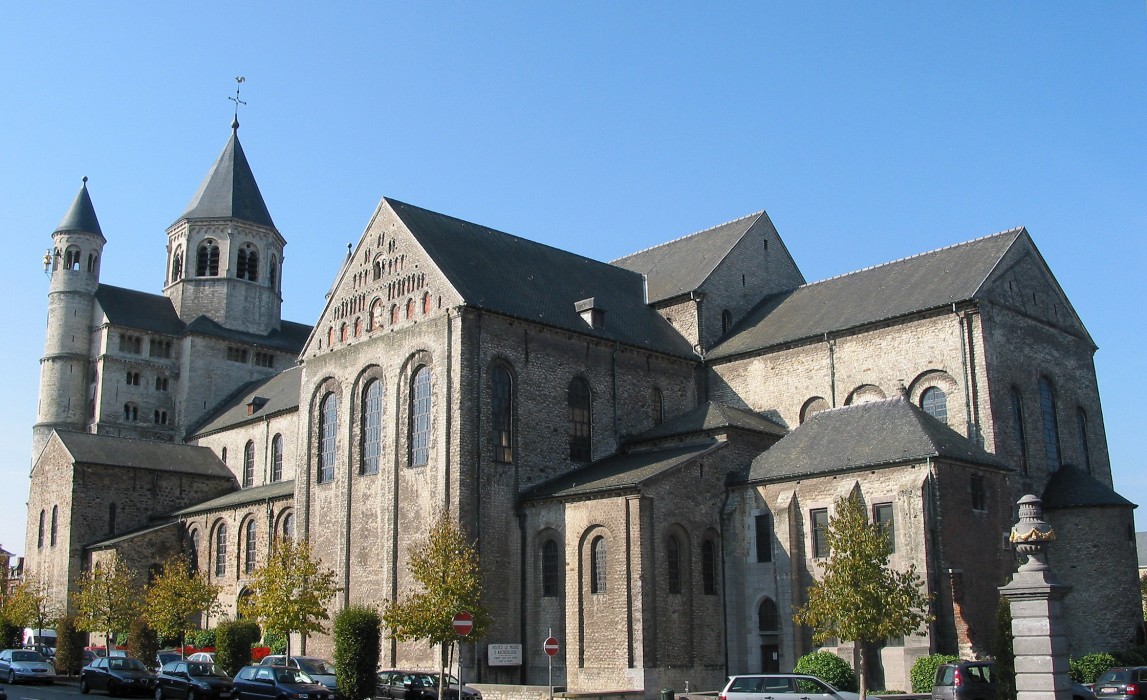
[(239, 80)]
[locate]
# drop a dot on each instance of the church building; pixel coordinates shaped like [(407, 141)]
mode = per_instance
[(646, 452)]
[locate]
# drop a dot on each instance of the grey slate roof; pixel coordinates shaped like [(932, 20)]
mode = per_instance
[(711, 416), (927, 281), (106, 450), (82, 215), (229, 191), (864, 435), (290, 337), (112, 541), (682, 265), (620, 472), (1071, 487), (281, 392), (516, 277), (235, 499)]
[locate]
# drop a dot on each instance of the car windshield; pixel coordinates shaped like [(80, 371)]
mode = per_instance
[(27, 656), (122, 664), (450, 679), (420, 679), (1119, 675), (316, 667), (292, 675), (205, 669)]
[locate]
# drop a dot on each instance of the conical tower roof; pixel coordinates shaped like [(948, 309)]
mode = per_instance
[(82, 215), (229, 190)]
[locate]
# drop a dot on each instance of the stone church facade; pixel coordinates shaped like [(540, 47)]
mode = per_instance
[(646, 452)]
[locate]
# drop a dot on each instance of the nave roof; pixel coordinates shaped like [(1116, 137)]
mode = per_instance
[(112, 451)]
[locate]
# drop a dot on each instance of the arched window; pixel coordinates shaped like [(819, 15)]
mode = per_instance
[(579, 399), (221, 550), (551, 569), (328, 429), (658, 407), (249, 464), (72, 258), (371, 428), (1018, 434), (247, 263), (377, 270), (273, 273), (55, 524), (207, 259), (726, 321), (342, 332), (420, 417), (1085, 453), (193, 552), (93, 260), (289, 526), (935, 403), (812, 407), (709, 567), (250, 553), (358, 327), (409, 309), (502, 414), (375, 319), (40, 532), (111, 518), (767, 618), (673, 563), (597, 566), (177, 264), (1050, 424), (130, 412), (425, 303), (277, 458)]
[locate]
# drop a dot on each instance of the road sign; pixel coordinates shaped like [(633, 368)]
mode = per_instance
[(551, 646), (463, 623)]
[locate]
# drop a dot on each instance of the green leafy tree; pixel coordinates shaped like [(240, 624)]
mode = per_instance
[(28, 604), (291, 590), (69, 646), (859, 598), (108, 599), (176, 598), (446, 570), (356, 632)]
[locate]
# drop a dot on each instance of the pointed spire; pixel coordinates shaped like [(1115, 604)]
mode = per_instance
[(82, 215), (229, 190)]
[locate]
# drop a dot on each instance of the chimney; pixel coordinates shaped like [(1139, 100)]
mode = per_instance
[(591, 313), (255, 404)]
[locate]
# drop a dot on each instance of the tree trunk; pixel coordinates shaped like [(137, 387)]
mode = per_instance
[(863, 669)]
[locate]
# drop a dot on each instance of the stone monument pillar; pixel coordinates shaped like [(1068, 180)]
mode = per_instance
[(1036, 599)]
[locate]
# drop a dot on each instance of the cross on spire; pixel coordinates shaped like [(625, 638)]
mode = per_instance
[(239, 80)]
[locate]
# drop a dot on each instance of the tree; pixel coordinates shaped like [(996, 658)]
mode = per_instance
[(107, 599), (356, 651), (27, 604), (177, 596), (446, 570), (859, 598), (290, 591)]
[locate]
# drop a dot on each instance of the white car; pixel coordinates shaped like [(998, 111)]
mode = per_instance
[(26, 665), (204, 656), (781, 686)]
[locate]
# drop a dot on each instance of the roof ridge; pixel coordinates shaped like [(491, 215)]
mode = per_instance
[(1015, 229), (689, 235)]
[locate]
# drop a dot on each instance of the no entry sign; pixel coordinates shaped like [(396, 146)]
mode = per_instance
[(463, 623), (551, 646)]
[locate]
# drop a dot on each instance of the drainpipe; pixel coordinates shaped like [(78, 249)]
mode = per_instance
[(970, 428), (831, 368)]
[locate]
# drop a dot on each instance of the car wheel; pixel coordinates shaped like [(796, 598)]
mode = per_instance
[(84, 685), (112, 689), (190, 694), (158, 693), (11, 677)]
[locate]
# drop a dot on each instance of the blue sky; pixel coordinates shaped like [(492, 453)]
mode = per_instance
[(867, 131)]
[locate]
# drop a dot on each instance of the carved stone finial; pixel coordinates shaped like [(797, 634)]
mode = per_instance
[(1031, 533)]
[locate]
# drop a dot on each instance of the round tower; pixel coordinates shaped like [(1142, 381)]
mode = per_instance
[(73, 266)]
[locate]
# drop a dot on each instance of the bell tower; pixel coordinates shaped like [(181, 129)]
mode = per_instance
[(73, 267)]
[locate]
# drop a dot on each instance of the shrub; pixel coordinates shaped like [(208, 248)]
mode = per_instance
[(356, 633), (829, 668), (924, 671), (275, 641), (1004, 652), (69, 646), (201, 639), (11, 636), (1087, 668), (233, 640), (142, 642)]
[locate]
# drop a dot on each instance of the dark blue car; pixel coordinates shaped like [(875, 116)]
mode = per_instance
[(277, 683)]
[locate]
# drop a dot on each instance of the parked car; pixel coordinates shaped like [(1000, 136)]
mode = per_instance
[(192, 680), (118, 675), (320, 670), (26, 665), (274, 682), (165, 656), (406, 685), (758, 686), (1122, 683), (203, 656), (976, 680), (451, 682)]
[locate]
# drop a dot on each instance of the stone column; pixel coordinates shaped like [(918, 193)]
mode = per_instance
[(1036, 600)]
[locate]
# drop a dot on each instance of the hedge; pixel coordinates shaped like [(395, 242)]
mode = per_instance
[(357, 646), (829, 668)]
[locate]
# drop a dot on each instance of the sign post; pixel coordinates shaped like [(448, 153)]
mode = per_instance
[(463, 623), (551, 648)]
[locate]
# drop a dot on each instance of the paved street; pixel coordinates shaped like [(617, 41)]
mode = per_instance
[(56, 691)]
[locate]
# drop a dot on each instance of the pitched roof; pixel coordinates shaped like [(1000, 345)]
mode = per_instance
[(290, 337), (926, 281), (624, 471), (81, 215), (117, 539), (864, 435), (1071, 487), (516, 277), (229, 191), (711, 416), (235, 499), (106, 450), (280, 393), (682, 265)]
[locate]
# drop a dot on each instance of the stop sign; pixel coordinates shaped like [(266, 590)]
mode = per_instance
[(463, 623), (551, 646)]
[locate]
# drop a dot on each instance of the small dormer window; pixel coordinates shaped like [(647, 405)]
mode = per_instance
[(591, 312)]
